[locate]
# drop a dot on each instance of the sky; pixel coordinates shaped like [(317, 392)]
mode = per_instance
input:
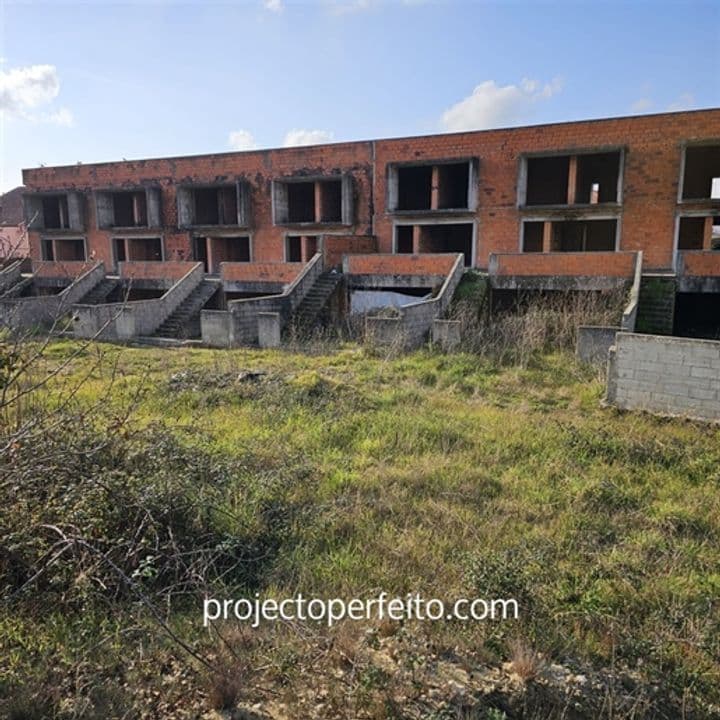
[(96, 81)]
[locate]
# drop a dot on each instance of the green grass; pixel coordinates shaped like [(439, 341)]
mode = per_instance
[(447, 475)]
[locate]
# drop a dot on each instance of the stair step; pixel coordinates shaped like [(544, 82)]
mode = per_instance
[(188, 309)]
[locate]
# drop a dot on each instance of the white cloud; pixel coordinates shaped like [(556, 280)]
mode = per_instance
[(275, 6), (307, 137), (490, 105), (23, 90), (241, 140)]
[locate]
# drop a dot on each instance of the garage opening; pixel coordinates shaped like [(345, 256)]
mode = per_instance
[(697, 315)]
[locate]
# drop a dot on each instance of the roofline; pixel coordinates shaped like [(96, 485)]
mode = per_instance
[(400, 138)]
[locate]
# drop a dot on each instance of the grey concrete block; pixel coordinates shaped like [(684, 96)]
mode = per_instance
[(269, 329)]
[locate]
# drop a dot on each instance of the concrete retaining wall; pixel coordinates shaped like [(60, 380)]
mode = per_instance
[(125, 320), (46, 310), (411, 328), (594, 342), (669, 375)]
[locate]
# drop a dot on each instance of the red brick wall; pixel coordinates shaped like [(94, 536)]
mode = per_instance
[(257, 168), (609, 264), (147, 270), (335, 246), (651, 176), (270, 272), (701, 264), (60, 268), (652, 172), (400, 264)]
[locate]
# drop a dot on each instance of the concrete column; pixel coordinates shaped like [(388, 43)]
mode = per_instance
[(304, 241), (136, 208), (318, 203), (435, 188), (209, 247), (547, 236), (417, 233), (707, 233), (572, 179)]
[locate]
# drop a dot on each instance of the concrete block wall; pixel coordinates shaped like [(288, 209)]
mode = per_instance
[(669, 375)]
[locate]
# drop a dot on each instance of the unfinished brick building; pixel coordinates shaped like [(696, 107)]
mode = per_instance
[(567, 205)]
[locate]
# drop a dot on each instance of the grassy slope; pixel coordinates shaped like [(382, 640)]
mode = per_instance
[(445, 475)]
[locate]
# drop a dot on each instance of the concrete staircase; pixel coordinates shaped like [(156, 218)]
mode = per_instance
[(307, 313), (656, 305), (100, 292), (185, 320), (16, 290)]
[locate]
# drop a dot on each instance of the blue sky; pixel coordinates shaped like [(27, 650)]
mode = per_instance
[(98, 81)]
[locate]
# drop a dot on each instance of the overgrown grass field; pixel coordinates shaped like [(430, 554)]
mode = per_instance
[(342, 475)]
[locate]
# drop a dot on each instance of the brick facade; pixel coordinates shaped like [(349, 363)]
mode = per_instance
[(400, 264), (609, 264), (651, 146)]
